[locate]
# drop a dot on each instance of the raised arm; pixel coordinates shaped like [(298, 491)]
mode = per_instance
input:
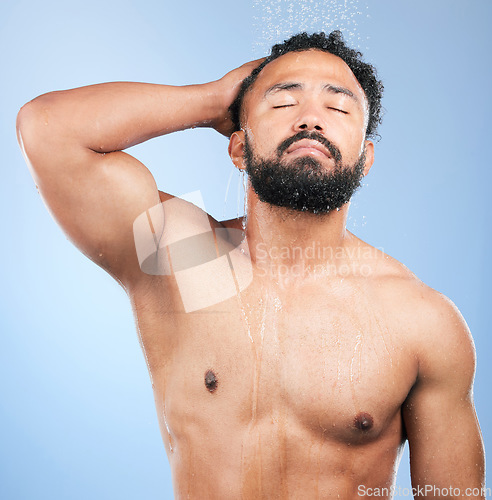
[(73, 141), (446, 449)]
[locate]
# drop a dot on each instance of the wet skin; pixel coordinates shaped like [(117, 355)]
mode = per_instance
[(298, 387), (284, 391), (295, 385)]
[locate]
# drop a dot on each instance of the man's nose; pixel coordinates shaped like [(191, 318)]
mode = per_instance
[(310, 119)]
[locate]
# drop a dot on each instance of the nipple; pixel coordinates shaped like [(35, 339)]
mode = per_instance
[(363, 421), (210, 381)]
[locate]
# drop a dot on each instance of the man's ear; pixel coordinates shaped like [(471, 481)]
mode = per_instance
[(236, 149), (369, 148)]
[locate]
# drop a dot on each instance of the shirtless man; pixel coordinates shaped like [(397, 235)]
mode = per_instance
[(305, 381)]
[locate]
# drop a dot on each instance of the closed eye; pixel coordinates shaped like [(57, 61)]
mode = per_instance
[(339, 110), (283, 106)]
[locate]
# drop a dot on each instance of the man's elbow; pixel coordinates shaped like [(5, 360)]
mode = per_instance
[(29, 123), (40, 110), (34, 126)]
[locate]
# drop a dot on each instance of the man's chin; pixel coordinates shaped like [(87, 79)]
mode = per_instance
[(307, 162)]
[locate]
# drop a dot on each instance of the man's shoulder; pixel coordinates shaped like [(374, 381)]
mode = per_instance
[(383, 272), (187, 213), (396, 285), (426, 316)]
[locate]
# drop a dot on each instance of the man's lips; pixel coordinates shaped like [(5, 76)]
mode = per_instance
[(309, 146)]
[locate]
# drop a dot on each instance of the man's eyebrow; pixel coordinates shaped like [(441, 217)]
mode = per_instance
[(334, 89), (283, 86)]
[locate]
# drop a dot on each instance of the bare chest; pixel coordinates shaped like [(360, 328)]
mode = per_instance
[(334, 368)]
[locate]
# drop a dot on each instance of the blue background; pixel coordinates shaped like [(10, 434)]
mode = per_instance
[(77, 416)]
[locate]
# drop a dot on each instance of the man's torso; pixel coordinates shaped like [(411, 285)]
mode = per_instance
[(289, 390)]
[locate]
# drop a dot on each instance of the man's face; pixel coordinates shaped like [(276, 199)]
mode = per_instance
[(305, 120)]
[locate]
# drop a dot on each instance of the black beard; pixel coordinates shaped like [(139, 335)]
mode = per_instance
[(303, 184)]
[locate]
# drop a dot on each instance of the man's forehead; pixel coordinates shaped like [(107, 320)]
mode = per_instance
[(307, 65)]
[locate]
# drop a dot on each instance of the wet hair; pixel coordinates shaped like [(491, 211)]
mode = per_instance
[(365, 73)]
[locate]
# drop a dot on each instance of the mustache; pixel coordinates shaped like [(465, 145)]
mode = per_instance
[(315, 136)]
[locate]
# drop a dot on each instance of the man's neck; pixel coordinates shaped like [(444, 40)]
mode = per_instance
[(286, 238)]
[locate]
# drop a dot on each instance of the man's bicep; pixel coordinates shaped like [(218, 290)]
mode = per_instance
[(95, 198), (444, 440), (442, 427)]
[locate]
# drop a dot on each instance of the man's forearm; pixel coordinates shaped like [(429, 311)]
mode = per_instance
[(114, 116)]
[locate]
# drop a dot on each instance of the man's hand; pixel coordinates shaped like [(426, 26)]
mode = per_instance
[(228, 87)]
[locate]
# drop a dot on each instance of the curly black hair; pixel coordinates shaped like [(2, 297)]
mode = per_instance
[(365, 73)]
